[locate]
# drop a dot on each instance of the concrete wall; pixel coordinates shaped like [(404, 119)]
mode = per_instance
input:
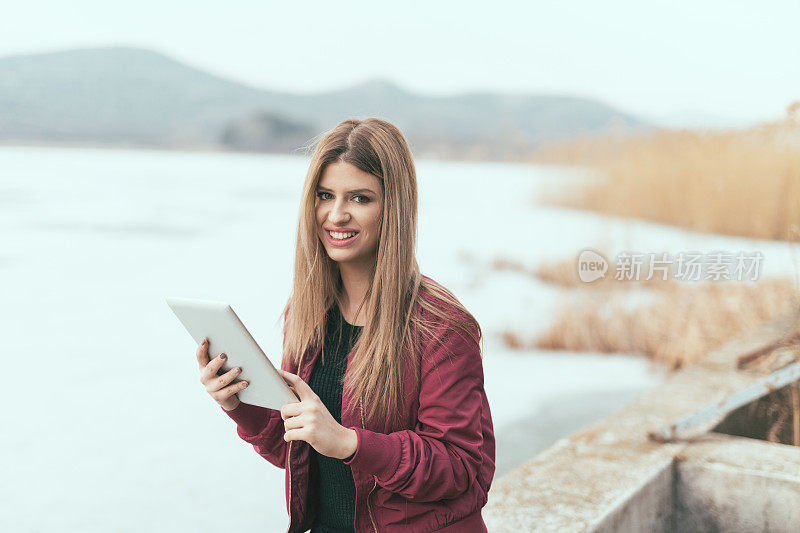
[(737, 484), (611, 477), (649, 508)]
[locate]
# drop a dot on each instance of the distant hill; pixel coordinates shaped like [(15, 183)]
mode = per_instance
[(129, 96)]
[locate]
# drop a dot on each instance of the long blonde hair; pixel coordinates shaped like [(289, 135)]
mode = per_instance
[(394, 323)]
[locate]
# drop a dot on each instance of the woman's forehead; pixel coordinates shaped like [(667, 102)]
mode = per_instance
[(345, 177)]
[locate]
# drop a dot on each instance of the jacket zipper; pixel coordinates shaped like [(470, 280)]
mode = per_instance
[(289, 467), (289, 460), (369, 507)]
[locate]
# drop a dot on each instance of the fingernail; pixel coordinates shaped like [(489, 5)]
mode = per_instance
[(223, 356), (205, 341)]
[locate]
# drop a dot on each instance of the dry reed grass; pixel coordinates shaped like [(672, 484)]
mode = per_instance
[(730, 182), (503, 263), (735, 182), (565, 274), (684, 322)]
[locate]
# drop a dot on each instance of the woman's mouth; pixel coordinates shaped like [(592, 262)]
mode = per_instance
[(341, 239)]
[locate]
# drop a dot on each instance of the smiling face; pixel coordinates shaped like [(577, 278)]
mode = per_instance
[(348, 210)]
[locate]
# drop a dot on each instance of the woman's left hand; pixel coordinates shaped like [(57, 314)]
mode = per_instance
[(310, 420)]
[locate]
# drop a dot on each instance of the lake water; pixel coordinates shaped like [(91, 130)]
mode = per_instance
[(106, 426)]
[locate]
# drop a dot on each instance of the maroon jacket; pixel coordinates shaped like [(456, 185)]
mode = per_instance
[(433, 476)]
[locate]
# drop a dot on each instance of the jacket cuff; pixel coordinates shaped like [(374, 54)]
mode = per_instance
[(251, 419), (376, 454)]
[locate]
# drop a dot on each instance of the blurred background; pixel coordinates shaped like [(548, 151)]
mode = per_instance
[(155, 150)]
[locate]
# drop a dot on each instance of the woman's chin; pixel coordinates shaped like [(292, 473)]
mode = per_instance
[(339, 255), (348, 257)]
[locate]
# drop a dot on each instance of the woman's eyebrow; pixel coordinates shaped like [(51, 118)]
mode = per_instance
[(321, 188)]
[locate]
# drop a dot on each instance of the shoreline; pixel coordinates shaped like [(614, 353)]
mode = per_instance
[(217, 149)]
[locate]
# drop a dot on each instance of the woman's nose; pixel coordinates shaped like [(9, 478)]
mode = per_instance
[(338, 213)]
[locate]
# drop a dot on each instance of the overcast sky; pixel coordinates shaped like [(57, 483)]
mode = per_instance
[(681, 62)]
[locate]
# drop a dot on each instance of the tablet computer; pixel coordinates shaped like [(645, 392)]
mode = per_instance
[(226, 333)]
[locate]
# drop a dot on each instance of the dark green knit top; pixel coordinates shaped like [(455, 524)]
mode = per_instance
[(336, 490)]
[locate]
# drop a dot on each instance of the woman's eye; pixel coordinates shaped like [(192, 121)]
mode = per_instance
[(359, 198)]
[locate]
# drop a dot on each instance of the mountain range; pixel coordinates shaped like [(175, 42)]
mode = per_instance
[(125, 96)]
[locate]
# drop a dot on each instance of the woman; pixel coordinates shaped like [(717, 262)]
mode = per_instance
[(393, 430)]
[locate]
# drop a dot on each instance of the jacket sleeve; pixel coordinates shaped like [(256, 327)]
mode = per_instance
[(441, 457), (263, 428)]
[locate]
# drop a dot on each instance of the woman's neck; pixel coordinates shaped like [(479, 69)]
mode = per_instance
[(355, 282)]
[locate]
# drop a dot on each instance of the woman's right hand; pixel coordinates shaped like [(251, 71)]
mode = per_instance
[(217, 386)]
